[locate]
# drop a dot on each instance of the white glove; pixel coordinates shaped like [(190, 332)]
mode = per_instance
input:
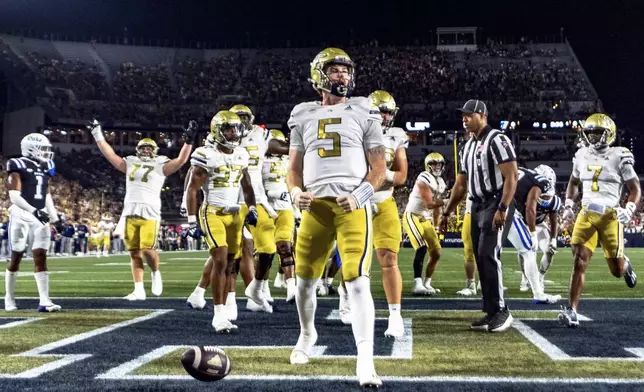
[(183, 211), (301, 200), (553, 246), (568, 214), (97, 130), (374, 209), (625, 214), (533, 239)]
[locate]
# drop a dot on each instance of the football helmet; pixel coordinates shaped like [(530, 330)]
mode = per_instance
[(435, 157), (210, 141), (106, 217), (277, 134), (220, 126), (246, 116), (146, 142), (386, 104), (319, 79), (36, 146), (549, 174), (599, 131)]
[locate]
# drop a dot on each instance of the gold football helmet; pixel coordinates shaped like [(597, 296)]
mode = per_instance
[(245, 114), (431, 159), (146, 142), (599, 131), (221, 126), (319, 78), (277, 134), (386, 104), (106, 217)]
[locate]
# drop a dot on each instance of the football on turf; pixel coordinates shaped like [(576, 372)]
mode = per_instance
[(206, 363)]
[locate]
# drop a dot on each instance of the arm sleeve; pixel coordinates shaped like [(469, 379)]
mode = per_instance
[(19, 201), (51, 208), (502, 149)]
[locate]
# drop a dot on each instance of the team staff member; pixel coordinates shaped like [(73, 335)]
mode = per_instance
[(488, 172)]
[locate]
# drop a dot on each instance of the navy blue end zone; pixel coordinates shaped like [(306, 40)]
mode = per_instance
[(615, 324)]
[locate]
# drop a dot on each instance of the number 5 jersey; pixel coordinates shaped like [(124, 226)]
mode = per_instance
[(143, 182)]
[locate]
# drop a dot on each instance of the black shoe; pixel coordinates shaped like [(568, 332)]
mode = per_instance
[(629, 275), (501, 321), (481, 324)]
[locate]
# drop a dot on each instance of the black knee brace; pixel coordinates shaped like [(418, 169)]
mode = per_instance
[(286, 255), (419, 259)]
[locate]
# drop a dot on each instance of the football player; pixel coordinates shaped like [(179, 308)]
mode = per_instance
[(32, 208), (105, 226), (274, 177), (603, 171), (337, 162), (145, 174), (423, 206), (386, 221), (531, 208), (219, 172), (257, 142)]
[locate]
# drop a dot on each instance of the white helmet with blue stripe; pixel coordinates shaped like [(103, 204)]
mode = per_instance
[(36, 146), (549, 174)]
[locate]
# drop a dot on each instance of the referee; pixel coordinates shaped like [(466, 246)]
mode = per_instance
[(488, 172)]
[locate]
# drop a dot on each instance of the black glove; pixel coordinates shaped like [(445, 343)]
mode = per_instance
[(190, 132), (251, 218), (194, 231), (42, 216), (59, 225)]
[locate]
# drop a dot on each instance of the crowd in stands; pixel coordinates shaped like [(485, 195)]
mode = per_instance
[(511, 79)]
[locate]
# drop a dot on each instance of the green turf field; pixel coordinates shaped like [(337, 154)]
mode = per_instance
[(111, 276)]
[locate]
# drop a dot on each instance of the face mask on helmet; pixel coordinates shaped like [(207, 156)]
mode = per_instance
[(245, 119), (595, 137), (339, 88), (37, 147), (230, 135), (145, 152)]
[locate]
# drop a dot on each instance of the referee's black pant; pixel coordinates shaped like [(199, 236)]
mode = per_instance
[(486, 243)]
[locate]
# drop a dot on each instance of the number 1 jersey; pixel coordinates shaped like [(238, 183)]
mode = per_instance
[(334, 140), (34, 179), (143, 182)]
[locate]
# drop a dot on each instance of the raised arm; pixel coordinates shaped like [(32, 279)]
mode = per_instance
[(175, 164), (108, 152)]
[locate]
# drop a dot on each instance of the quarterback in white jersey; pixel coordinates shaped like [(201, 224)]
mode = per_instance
[(219, 172), (145, 173), (423, 207), (258, 142), (603, 171), (274, 173), (337, 161)]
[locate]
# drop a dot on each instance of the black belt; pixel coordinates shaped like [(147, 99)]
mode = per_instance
[(486, 199)]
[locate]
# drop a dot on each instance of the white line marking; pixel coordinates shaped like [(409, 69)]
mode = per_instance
[(188, 258), (25, 274), (67, 359), (19, 322), (115, 264)]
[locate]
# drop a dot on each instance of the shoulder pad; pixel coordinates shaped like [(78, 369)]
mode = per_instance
[(623, 152), (365, 104), (425, 177), (15, 165), (241, 151), (200, 157), (303, 107), (162, 159), (398, 133)]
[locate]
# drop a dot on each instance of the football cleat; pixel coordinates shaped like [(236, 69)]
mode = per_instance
[(525, 285), (264, 306), (466, 292), (366, 372), (231, 311), (9, 304), (629, 275), (266, 291), (323, 289), (419, 289), (50, 307), (481, 324), (133, 296), (223, 326), (501, 321), (279, 283), (431, 290), (290, 293), (396, 328), (157, 284), (305, 343), (546, 299), (568, 317), (195, 302), (344, 307)]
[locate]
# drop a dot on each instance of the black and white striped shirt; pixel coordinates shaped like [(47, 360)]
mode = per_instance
[(480, 159)]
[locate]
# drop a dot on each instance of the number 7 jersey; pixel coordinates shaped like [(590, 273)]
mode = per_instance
[(603, 174), (143, 182)]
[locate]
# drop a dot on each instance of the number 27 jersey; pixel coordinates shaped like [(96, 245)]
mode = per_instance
[(224, 174), (603, 175)]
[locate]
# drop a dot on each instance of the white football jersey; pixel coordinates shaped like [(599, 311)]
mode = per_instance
[(224, 174), (416, 205), (603, 175), (468, 205), (394, 139), (256, 144), (105, 227), (334, 140), (144, 180), (274, 177)]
